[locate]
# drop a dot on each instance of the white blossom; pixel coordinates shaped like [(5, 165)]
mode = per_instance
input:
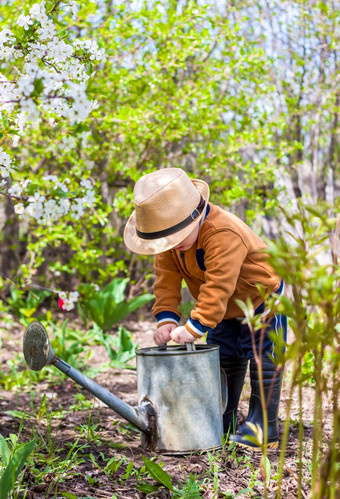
[(62, 94), (5, 164), (24, 21), (90, 197), (6, 36), (47, 31), (19, 208), (37, 11), (15, 190), (74, 295), (35, 210), (86, 183), (25, 85), (37, 197), (68, 143), (91, 46), (68, 304)]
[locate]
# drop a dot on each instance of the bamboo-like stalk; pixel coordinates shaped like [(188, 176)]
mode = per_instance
[(284, 440), (300, 434), (317, 433)]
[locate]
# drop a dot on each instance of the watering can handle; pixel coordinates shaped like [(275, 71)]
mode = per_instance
[(189, 346)]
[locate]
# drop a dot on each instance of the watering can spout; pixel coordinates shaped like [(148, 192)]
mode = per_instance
[(38, 352)]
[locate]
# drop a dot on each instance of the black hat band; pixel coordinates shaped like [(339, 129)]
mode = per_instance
[(175, 228)]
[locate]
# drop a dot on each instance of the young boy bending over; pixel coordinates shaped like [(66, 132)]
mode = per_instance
[(221, 260)]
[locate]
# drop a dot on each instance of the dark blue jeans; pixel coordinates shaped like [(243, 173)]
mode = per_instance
[(234, 338)]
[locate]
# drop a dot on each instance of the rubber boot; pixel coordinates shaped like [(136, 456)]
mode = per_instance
[(272, 381), (235, 370)]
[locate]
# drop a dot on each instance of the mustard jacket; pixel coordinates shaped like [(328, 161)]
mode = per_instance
[(224, 264)]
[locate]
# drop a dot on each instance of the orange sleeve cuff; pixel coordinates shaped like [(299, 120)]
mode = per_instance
[(191, 331)]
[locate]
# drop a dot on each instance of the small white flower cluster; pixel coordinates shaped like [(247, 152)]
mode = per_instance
[(8, 49), (91, 46), (67, 300), (46, 209), (49, 67), (51, 81), (5, 164)]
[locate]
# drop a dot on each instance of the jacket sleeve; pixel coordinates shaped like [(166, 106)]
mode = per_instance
[(167, 289), (225, 252)]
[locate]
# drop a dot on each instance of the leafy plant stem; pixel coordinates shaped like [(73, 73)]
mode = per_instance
[(299, 491)]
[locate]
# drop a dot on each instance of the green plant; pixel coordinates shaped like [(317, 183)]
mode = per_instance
[(119, 347), (25, 304), (13, 458), (313, 309), (15, 375), (190, 488), (108, 306), (67, 463), (70, 344)]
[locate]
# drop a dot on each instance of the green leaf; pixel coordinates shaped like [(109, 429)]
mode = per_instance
[(115, 289), (43, 407), (5, 453), (147, 488), (158, 473), (14, 467), (38, 87), (128, 471), (4, 120)]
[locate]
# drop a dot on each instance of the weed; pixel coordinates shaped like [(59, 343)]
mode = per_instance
[(108, 306), (13, 456)]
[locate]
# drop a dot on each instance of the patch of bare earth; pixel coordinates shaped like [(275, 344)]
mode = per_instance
[(100, 434)]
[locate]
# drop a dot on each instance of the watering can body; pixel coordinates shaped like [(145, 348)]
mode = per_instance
[(180, 392), (184, 388)]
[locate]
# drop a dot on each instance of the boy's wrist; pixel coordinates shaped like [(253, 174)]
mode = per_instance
[(167, 317), (196, 328)]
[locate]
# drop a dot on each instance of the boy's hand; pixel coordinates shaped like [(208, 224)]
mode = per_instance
[(181, 335), (162, 334)]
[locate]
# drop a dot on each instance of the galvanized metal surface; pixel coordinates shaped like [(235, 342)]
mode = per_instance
[(135, 415), (36, 346), (184, 387), (180, 409)]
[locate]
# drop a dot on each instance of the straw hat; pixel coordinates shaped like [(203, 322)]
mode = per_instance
[(168, 206)]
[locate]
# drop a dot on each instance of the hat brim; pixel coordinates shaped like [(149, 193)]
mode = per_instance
[(155, 246)]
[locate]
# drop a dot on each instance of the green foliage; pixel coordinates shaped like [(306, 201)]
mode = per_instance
[(13, 460), (109, 306), (243, 96), (71, 345), (190, 488), (120, 347), (158, 474), (306, 257), (24, 305), (186, 89)]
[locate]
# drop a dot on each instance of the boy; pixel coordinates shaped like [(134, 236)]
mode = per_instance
[(221, 260)]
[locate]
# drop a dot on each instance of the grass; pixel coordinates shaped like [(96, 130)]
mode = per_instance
[(84, 450), (85, 447)]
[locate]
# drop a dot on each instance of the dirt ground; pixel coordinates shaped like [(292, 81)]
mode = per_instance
[(109, 435)]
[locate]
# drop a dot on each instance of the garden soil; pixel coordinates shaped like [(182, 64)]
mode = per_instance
[(100, 434)]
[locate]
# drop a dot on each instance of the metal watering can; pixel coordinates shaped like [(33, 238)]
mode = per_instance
[(181, 392)]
